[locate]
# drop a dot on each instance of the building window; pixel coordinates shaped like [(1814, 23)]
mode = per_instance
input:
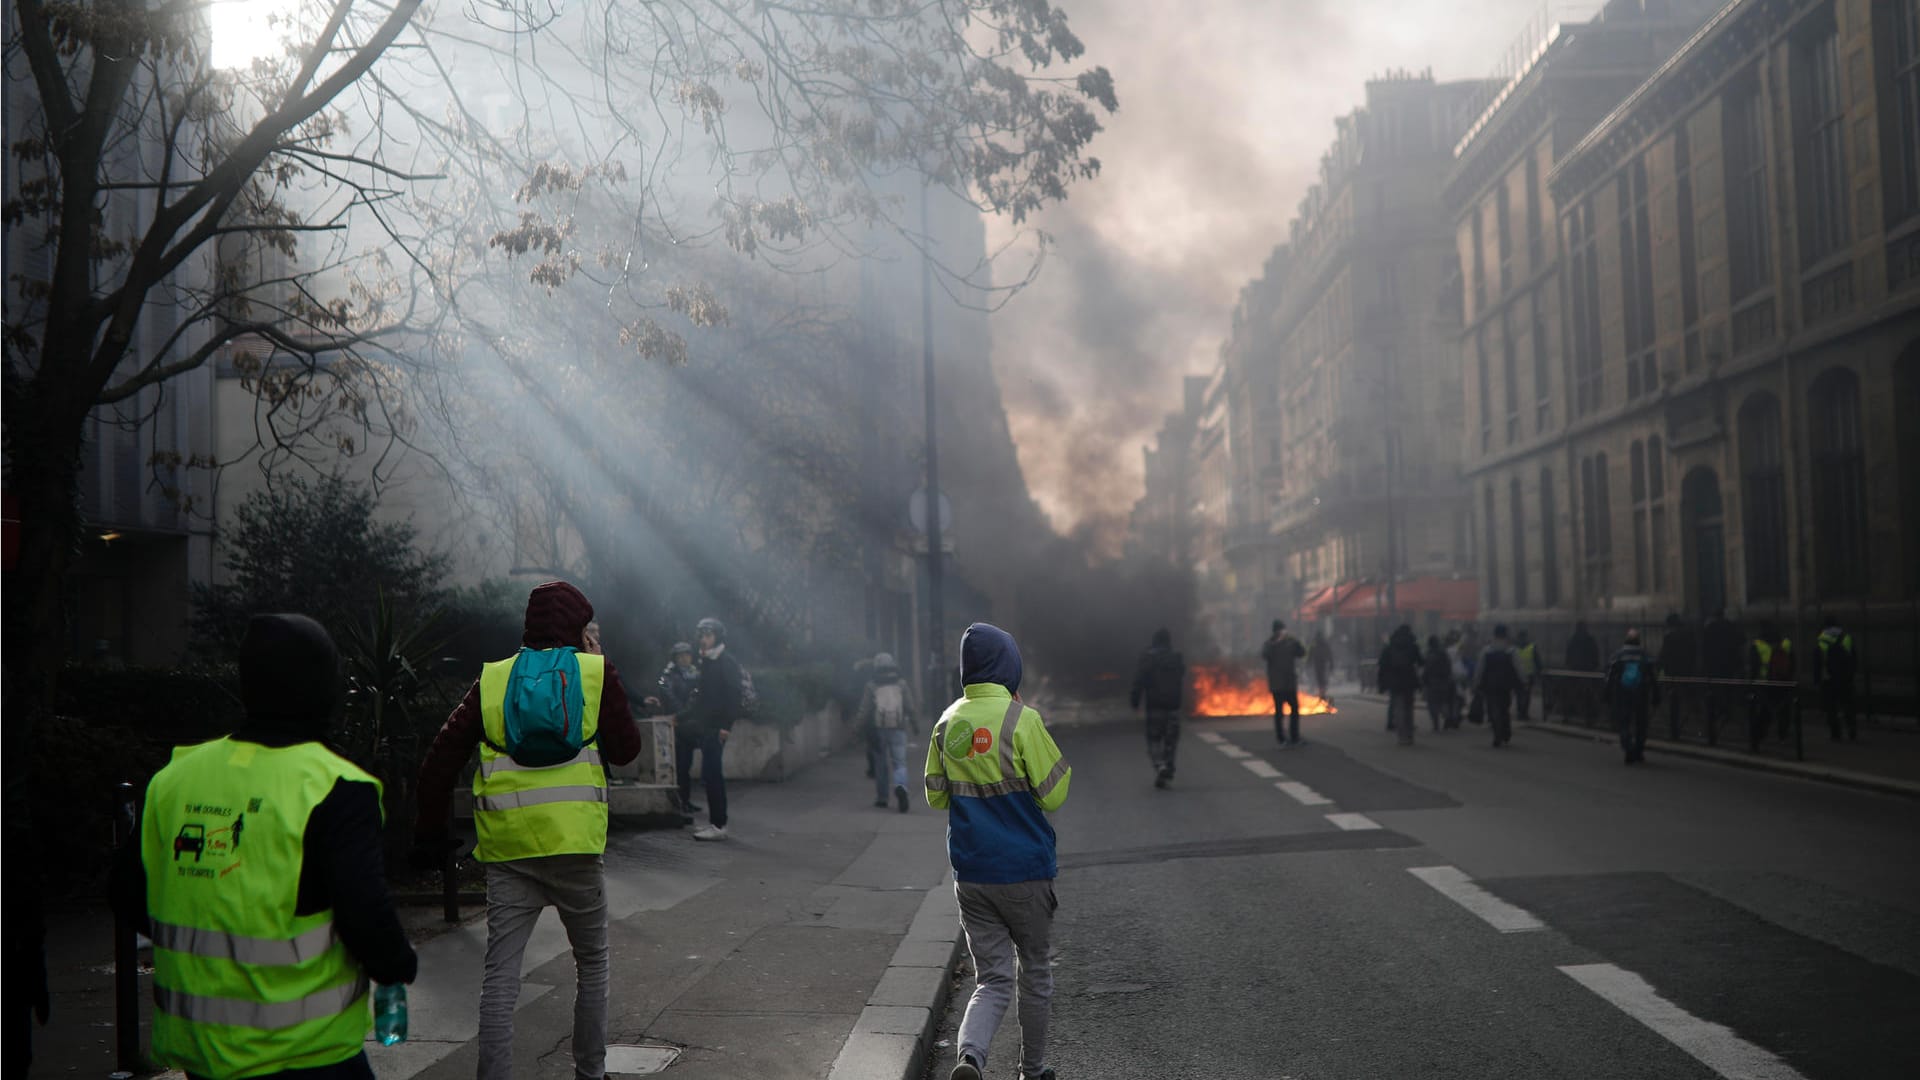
[(1596, 528), (1900, 30), (1536, 242), (1820, 158), (1583, 294), (1517, 530), (1510, 371), (1763, 497), (1549, 544), (1486, 394), (1479, 266), (1839, 483), (1503, 228), (1490, 561), (1689, 261), (1542, 367), (1636, 279), (1749, 243)]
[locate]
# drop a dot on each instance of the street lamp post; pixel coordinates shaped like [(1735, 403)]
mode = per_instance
[(936, 589)]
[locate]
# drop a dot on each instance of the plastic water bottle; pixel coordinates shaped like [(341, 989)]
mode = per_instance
[(390, 1013)]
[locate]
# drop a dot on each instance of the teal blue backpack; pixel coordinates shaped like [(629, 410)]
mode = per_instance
[(1631, 675), (545, 710)]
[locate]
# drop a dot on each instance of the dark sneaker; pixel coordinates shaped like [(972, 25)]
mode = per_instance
[(966, 1069), (900, 797), (881, 803), (691, 807)]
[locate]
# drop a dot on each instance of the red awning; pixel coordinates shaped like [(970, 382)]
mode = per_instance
[(1449, 598), (1359, 602), (1328, 600), (1316, 605)]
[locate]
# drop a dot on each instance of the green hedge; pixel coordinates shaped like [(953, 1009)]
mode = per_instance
[(787, 694)]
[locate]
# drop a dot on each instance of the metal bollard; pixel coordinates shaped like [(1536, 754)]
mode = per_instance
[(1799, 743), (126, 975)]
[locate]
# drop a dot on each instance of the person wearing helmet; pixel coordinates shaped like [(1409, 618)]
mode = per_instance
[(709, 718), (677, 683)]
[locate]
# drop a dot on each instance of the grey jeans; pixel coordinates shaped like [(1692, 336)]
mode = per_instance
[(576, 887), (1005, 922)]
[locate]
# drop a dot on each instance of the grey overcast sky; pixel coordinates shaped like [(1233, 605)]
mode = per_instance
[(1225, 109)]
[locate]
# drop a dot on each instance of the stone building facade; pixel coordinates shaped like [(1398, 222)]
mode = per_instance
[(1361, 446), (1693, 322)]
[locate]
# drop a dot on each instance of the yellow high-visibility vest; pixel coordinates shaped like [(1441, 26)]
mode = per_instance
[(523, 812), (241, 985)]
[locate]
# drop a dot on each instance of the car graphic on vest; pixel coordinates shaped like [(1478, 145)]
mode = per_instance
[(192, 837)]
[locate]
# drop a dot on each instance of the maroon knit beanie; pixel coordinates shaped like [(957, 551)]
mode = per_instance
[(557, 613)]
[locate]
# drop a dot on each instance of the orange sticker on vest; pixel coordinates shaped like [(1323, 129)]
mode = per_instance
[(982, 740)]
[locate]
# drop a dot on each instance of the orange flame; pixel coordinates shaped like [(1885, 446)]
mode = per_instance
[(1221, 691)]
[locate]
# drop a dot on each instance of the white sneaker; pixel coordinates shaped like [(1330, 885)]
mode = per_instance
[(711, 832)]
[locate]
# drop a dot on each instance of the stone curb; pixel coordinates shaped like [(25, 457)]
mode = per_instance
[(1826, 774), (894, 1034), (1888, 785)]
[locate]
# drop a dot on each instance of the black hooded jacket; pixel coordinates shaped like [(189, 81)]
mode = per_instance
[(290, 684), (1160, 677)]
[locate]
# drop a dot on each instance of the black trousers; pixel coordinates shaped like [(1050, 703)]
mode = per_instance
[(1836, 700), (1163, 737), (1286, 700), (1630, 720), (685, 742)]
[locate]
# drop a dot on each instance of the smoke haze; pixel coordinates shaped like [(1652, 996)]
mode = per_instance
[(1224, 112)]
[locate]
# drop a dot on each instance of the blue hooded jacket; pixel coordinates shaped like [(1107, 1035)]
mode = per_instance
[(993, 766)]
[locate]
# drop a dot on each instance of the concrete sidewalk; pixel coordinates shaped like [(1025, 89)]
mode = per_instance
[(816, 941)]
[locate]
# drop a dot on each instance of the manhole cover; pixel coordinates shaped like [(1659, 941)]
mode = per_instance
[(640, 1060)]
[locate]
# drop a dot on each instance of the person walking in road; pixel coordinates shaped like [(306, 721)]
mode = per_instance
[(1280, 653), (546, 722), (1496, 679), (1833, 670), (887, 707), (994, 768), (1320, 662), (261, 963), (1159, 683), (1632, 690), (1399, 679), (1436, 683), (716, 705), (1527, 657)]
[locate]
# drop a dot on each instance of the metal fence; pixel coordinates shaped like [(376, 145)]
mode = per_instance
[(1759, 716)]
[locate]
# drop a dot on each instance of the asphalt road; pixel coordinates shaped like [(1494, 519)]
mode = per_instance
[(1675, 920)]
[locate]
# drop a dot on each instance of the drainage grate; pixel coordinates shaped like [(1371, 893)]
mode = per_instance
[(639, 1060)]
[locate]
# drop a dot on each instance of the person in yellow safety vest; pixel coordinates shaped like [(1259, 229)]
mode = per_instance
[(542, 828), (1769, 658), (1833, 670), (1527, 656), (259, 873), (992, 766)]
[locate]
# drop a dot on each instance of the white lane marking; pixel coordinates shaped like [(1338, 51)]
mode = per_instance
[(1303, 794), (1353, 822), (1716, 1047), (1233, 752), (1210, 736), (1262, 769), (1455, 885)]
